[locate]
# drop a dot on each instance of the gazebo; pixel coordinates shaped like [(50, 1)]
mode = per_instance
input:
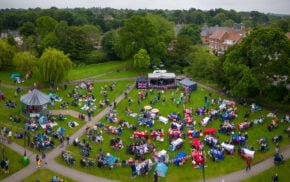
[(34, 104), (188, 85)]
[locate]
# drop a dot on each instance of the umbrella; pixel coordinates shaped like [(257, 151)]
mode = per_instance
[(161, 169), (147, 107), (15, 75), (155, 110)]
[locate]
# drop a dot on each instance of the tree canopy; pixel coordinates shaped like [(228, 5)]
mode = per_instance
[(142, 60), (54, 65), (6, 53), (138, 32), (24, 61), (256, 61), (192, 31)]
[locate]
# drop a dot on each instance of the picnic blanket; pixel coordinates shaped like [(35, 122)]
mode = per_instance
[(72, 124), (43, 126), (161, 169)]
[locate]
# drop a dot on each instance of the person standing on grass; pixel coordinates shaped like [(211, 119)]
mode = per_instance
[(275, 178), (249, 164)]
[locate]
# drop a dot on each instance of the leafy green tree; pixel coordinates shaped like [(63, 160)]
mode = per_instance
[(142, 60), (24, 61), (45, 24), (176, 56), (54, 65), (251, 66), (219, 18), (228, 23), (93, 33), (27, 29), (138, 32), (201, 63), (76, 43), (11, 40), (50, 40), (192, 31), (164, 28), (6, 53), (108, 42)]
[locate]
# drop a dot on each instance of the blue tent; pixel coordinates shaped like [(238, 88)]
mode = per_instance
[(15, 75), (60, 130), (110, 159), (161, 169), (188, 84), (42, 120), (178, 157)]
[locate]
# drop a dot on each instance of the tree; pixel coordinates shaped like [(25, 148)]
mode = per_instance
[(138, 32), (76, 43), (201, 63), (176, 57), (142, 60), (27, 29), (45, 24), (251, 66), (54, 65), (50, 40), (192, 31), (108, 42), (93, 33), (163, 27), (24, 61), (6, 53)]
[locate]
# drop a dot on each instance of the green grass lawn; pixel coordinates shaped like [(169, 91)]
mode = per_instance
[(121, 74), (45, 175), (15, 163), (76, 73), (112, 95), (183, 173), (281, 170), (96, 69)]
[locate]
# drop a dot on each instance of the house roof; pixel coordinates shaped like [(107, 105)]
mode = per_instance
[(219, 34), (35, 98), (288, 35), (233, 36)]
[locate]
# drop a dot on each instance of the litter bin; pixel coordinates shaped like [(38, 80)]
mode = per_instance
[(25, 161)]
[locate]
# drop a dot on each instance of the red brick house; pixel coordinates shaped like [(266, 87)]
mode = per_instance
[(221, 40)]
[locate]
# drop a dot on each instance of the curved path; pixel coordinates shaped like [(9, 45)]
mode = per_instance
[(80, 176)]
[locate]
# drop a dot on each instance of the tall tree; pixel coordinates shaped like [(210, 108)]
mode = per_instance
[(108, 42), (192, 31), (24, 61), (27, 29), (6, 53), (201, 63), (45, 24), (138, 32), (142, 60), (54, 65), (260, 57), (76, 43), (176, 56)]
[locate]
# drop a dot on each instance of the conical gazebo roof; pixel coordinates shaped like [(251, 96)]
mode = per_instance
[(35, 98)]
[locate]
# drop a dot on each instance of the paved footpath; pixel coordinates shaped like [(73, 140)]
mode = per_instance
[(52, 165)]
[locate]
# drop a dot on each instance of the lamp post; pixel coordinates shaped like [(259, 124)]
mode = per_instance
[(203, 169)]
